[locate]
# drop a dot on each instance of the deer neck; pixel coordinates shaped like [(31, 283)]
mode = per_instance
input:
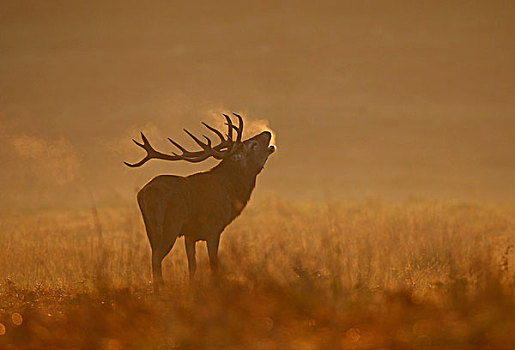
[(238, 181)]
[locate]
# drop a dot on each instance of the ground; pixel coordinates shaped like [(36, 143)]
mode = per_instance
[(421, 274)]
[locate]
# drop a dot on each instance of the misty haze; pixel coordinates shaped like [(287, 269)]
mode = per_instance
[(383, 220), (414, 101)]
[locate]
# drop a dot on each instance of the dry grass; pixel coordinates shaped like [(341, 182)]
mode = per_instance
[(364, 275)]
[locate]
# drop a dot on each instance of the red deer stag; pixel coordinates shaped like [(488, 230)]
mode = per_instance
[(200, 206)]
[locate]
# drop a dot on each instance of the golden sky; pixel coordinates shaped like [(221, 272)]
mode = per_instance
[(379, 98)]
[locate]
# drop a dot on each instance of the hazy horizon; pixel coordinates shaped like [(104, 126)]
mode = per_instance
[(389, 99)]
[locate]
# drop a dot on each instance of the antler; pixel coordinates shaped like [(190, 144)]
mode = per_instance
[(224, 149)]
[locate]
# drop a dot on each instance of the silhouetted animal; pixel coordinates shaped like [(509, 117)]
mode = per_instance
[(201, 205)]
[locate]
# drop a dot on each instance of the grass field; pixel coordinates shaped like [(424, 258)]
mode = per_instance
[(364, 275)]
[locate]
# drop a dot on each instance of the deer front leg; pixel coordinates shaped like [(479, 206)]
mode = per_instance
[(212, 250), (190, 252), (157, 274)]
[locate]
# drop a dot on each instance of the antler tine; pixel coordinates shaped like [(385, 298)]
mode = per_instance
[(144, 138), (208, 150), (229, 123), (183, 150), (146, 146), (151, 153), (240, 127), (138, 143), (208, 141), (218, 133), (232, 126), (200, 143), (195, 157), (135, 165)]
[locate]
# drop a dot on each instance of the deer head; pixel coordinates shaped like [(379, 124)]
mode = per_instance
[(253, 153), (250, 154)]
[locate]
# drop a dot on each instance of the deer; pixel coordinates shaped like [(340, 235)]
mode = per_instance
[(200, 206)]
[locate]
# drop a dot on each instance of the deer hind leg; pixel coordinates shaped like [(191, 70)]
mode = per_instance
[(190, 252), (159, 252), (161, 235)]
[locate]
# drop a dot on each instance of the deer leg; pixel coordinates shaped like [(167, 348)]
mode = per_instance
[(159, 252), (190, 252), (212, 250), (157, 274)]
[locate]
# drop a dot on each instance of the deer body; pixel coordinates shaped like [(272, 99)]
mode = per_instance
[(199, 206)]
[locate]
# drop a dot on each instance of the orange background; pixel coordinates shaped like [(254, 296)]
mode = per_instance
[(382, 98)]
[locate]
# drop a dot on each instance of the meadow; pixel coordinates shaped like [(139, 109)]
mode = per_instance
[(370, 274)]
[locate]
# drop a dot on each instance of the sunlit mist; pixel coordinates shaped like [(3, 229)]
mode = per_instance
[(396, 99), (380, 215)]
